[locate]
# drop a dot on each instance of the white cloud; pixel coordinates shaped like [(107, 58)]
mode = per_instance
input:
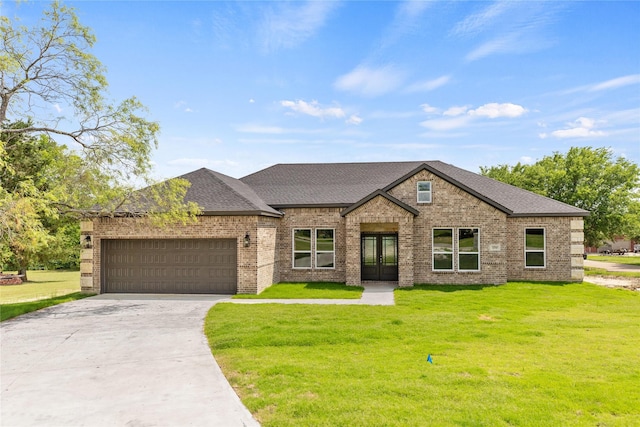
[(289, 24), (510, 27), (58, 108), (370, 81), (494, 110), (354, 120), (429, 109), (252, 101), (457, 117), (477, 22), (455, 111), (429, 85), (407, 20), (616, 83), (446, 124), (313, 109), (583, 127)]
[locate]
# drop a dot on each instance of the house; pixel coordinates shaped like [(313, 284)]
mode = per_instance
[(405, 222)]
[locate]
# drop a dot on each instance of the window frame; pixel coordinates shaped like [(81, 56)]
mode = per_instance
[(543, 251), (319, 252), (294, 251), (419, 192), (434, 252), (477, 253)]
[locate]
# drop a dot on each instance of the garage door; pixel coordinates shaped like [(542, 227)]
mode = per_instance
[(184, 266)]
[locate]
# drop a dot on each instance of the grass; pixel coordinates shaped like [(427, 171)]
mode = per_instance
[(527, 354), (593, 271), (618, 259), (42, 284), (7, 311), (312, 290)]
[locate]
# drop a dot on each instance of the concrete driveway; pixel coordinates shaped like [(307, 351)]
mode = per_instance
[(115, 360)]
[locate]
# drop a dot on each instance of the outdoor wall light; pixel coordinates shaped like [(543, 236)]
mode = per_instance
[(87, 243), (247, 240)]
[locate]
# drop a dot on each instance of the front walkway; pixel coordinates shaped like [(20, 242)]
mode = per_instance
[(375, 293)]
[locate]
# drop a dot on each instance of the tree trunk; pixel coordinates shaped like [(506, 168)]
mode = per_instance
[(23, 272)]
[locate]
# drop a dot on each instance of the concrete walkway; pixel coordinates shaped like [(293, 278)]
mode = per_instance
[(375, 293), (115, 360)]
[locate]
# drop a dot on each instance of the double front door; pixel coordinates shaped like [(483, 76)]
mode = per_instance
[(379, 257)]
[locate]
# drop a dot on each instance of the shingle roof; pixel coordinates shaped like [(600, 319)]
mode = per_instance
[(217, 193), (343, 184), (331, 184)]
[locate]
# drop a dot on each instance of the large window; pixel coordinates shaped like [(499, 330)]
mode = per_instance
[(325, 248), (424, 191), (456, 249), (302, 248), (534, 248), (468, 249), (443, 249)]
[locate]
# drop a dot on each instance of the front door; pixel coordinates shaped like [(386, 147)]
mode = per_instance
[(379, 259)]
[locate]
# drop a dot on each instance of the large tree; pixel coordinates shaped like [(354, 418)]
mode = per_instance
[(49, 68), (585, 177)]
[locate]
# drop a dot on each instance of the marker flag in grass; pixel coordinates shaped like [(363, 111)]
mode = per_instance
[(429, 359)]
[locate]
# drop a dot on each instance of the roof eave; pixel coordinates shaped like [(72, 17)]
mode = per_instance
[(310, 205), (242, 213), (549, 214)]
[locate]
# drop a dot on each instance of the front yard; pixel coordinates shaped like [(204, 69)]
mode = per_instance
[(528, 354), (44, 289)]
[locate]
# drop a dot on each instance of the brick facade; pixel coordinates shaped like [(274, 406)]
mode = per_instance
[(255, 270), (269, 258)]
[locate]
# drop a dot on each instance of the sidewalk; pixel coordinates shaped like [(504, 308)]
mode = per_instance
[(375, 293)]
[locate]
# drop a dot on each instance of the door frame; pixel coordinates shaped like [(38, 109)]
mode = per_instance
[(381, 271)]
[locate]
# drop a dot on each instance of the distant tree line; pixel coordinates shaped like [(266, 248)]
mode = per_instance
[(588, 178)]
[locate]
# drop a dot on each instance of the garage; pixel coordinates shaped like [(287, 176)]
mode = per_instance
[(176, 266)]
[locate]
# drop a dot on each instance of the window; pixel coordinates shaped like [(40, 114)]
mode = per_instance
[(424, 191), (325, 248), (443, 249), (302, 248), (534, 248), (468, 249)]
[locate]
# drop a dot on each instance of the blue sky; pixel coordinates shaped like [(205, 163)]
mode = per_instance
[(239, 86)]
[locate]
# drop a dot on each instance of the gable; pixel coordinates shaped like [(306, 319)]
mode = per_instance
[(380, 204)]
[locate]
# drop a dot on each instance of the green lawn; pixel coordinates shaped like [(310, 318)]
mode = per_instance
[(313, 290), (526, 354), (7, 311), (593, 271), (620, 259), (42, 284)]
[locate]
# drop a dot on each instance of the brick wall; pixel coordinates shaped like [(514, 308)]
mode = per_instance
[(384, 214), (564, 248), (452, 207), (254, 271), (312, 218)]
